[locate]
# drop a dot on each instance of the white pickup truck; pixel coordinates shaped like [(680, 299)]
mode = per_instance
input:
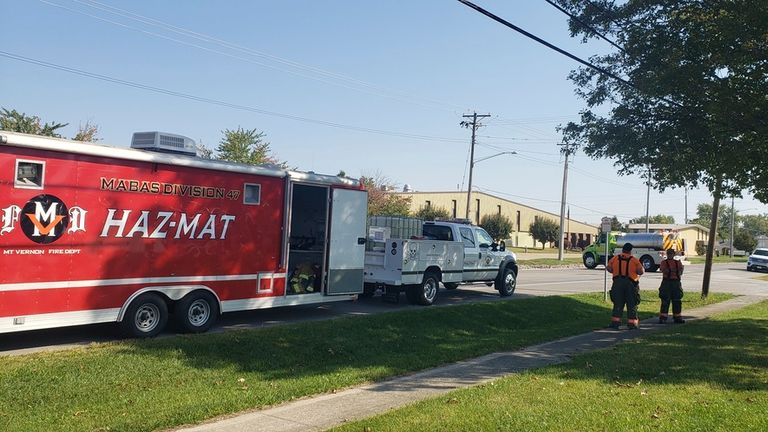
[(447, 252)]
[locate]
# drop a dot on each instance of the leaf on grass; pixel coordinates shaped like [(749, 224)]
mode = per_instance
[(452, 401), (644, 393), (750, 400), (639, 382), (78, 413), (654, 415), (241, 380)]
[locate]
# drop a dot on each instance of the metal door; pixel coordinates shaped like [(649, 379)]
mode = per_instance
[(346, 248)]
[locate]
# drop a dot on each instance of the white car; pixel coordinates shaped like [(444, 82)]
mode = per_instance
[(758, 260)]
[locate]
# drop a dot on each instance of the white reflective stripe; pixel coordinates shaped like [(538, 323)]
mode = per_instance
[(58, 319), (134, 281)]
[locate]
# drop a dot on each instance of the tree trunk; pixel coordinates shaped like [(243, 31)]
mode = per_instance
[(710, 245)]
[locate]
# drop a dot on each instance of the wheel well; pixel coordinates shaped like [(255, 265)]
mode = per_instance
[(169, 294), (436, 270)]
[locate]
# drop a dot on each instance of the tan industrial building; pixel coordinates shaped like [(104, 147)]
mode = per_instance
[(691, 233), (522, 216)]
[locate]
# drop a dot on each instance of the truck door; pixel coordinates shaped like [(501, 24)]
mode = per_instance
[(490, 260), (471, 254), (346, 246)]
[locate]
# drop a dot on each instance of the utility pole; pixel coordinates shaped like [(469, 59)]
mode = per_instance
[(733, 222), (562, 202), (474, 125), (648, 202)]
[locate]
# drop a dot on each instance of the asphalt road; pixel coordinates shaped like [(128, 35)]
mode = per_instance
[(731, 278)]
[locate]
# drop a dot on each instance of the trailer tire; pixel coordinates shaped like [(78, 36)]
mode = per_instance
[(451, 285), (426, 293), (196, 312), (648, 264), (145, 317), (507, 282), (590, 261)]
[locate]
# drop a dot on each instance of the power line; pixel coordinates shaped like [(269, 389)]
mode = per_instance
[(220, 102), (323, 76), (587, 26), (560, 50)]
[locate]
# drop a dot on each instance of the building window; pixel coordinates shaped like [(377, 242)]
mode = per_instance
[(453, 202), (428, 203), (518, 220), (498, 208), (477, 212)]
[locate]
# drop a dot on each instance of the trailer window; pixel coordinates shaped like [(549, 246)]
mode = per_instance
[(29, 174), (251, 194)]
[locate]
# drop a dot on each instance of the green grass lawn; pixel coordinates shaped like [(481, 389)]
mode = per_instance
[(695, 259), (710, 375), (551, 262), (144, 385)]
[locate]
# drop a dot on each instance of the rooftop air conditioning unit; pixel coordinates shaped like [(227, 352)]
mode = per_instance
[(164, 143)]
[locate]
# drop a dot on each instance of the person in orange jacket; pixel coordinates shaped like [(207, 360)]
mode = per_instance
[(671, 289), (625, 290)]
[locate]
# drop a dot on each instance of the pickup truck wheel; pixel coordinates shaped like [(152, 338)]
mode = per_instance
[(590, 261), (648, 264), (145, 317), (507, 282), (427, 291), (450, 285)]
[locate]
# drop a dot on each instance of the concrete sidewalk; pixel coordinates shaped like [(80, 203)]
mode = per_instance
[(328, 410)]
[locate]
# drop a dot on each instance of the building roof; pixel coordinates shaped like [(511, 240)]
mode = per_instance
[(667, 227), (474, 192)]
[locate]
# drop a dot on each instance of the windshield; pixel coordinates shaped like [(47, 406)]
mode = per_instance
[(761, 252)]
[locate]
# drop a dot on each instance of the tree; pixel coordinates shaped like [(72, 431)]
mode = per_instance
[(691, 109), (381, 200), (616, 225), (544, 230), (246, 146), (431, 213), (743, 240), (658, 219), (87, 132), (497, 225), (14, 121), (704, 215), (755, 224)]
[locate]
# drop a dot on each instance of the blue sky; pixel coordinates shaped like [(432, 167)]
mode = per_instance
[(403, 71)]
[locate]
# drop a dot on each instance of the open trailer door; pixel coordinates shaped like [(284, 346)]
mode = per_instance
[(346, 248)]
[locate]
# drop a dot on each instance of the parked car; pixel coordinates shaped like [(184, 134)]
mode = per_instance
[(758, 260)]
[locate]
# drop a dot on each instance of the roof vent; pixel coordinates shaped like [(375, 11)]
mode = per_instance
[(164, 143)]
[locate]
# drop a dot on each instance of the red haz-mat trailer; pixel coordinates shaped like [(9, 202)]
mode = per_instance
[(93, 234)]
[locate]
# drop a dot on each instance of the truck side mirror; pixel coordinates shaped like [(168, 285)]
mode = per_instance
[(502, 246)]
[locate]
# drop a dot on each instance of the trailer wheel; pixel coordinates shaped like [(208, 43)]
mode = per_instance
[(590, 261), (450, 285), (648, 264), (196, 312), (145, 317), (426, 293), (507, 282)]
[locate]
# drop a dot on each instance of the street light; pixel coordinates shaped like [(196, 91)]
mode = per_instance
[(471, 168)]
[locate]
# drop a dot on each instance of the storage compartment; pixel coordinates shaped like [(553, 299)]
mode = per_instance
[(306, 244)]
